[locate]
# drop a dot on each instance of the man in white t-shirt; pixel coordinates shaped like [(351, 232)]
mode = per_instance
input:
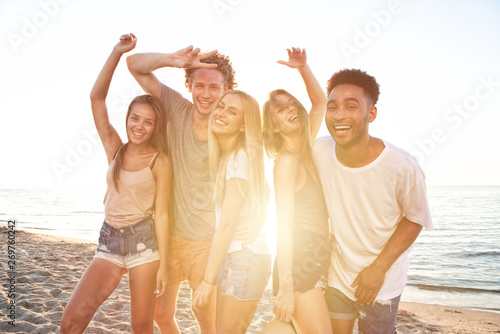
[(376, 199)]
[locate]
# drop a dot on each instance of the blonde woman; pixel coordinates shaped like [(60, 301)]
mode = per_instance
[(138, 181), (303, 253), (239, 263)]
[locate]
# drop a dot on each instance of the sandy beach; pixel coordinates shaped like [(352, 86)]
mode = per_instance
[(47, 269)]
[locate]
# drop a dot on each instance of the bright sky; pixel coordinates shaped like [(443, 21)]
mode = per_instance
[(436, 62)]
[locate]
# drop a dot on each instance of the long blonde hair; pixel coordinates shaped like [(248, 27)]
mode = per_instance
[(252, 143), (273, 141)]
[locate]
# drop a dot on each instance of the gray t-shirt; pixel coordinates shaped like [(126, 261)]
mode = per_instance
[(192, 208)]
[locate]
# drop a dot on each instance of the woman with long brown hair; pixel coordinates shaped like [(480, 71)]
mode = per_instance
[(303, 254), (134, 235)]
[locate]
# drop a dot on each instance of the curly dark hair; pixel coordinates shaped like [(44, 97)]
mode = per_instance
[(224, 66), (358, 78)]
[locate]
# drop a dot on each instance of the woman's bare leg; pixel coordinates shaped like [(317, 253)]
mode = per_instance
[(311, 312), (142, 281), (98, 282), (233, 316)]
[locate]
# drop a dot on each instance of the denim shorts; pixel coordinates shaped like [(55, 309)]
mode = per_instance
[(310, 262), (244, 274), (128, 246), (380, 317)]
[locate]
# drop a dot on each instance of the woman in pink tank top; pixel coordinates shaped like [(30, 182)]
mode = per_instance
[(138, 181)]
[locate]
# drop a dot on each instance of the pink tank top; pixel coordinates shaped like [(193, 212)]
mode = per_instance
[(136, 198)]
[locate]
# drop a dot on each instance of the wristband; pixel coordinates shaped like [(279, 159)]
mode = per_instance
[(209, 282)]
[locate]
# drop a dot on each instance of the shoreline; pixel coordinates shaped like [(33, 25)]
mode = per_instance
[(409, 287), (48, 268)]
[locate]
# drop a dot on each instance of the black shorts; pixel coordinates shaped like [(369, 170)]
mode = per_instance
[(311, 259)]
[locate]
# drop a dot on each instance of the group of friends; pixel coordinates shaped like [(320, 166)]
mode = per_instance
[(187, 198)]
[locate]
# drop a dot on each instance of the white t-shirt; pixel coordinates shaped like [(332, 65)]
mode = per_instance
[(365, 205), (237, 169)]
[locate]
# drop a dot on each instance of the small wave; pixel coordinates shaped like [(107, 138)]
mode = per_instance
[(474, 254), (37, 228), (451, 288), (490, 253), (87, 212), (496, 310)]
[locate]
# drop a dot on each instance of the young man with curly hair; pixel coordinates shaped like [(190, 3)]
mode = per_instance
[(376, 199), (208, 76)]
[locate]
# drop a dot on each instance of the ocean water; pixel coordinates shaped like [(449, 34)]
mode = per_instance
[(457, 264)]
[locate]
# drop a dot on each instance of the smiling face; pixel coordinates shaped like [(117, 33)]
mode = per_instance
[(349, 111), (141, 123), (285, 115), (207, 85), (229, 117)]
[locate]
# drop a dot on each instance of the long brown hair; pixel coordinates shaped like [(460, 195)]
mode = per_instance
[(273, 141), (159, 138)]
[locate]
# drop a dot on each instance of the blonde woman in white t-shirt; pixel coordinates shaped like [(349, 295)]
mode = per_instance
[(239, 263)]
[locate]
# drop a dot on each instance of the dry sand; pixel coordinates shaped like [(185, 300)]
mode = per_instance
[(48, 268)]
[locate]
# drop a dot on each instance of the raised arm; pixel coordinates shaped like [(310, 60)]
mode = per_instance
[(234, 197), (370, 280), (109, 137), (162, 172), (297, 58), (286, 171), (142, 65)]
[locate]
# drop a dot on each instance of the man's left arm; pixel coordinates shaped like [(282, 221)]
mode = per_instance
[(370, 280)]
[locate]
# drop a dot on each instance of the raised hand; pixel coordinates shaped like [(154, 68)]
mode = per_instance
[(297, 58), (127, 43), (190, 58)]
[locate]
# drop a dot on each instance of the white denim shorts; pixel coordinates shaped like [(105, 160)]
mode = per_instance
[(244, 274)]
